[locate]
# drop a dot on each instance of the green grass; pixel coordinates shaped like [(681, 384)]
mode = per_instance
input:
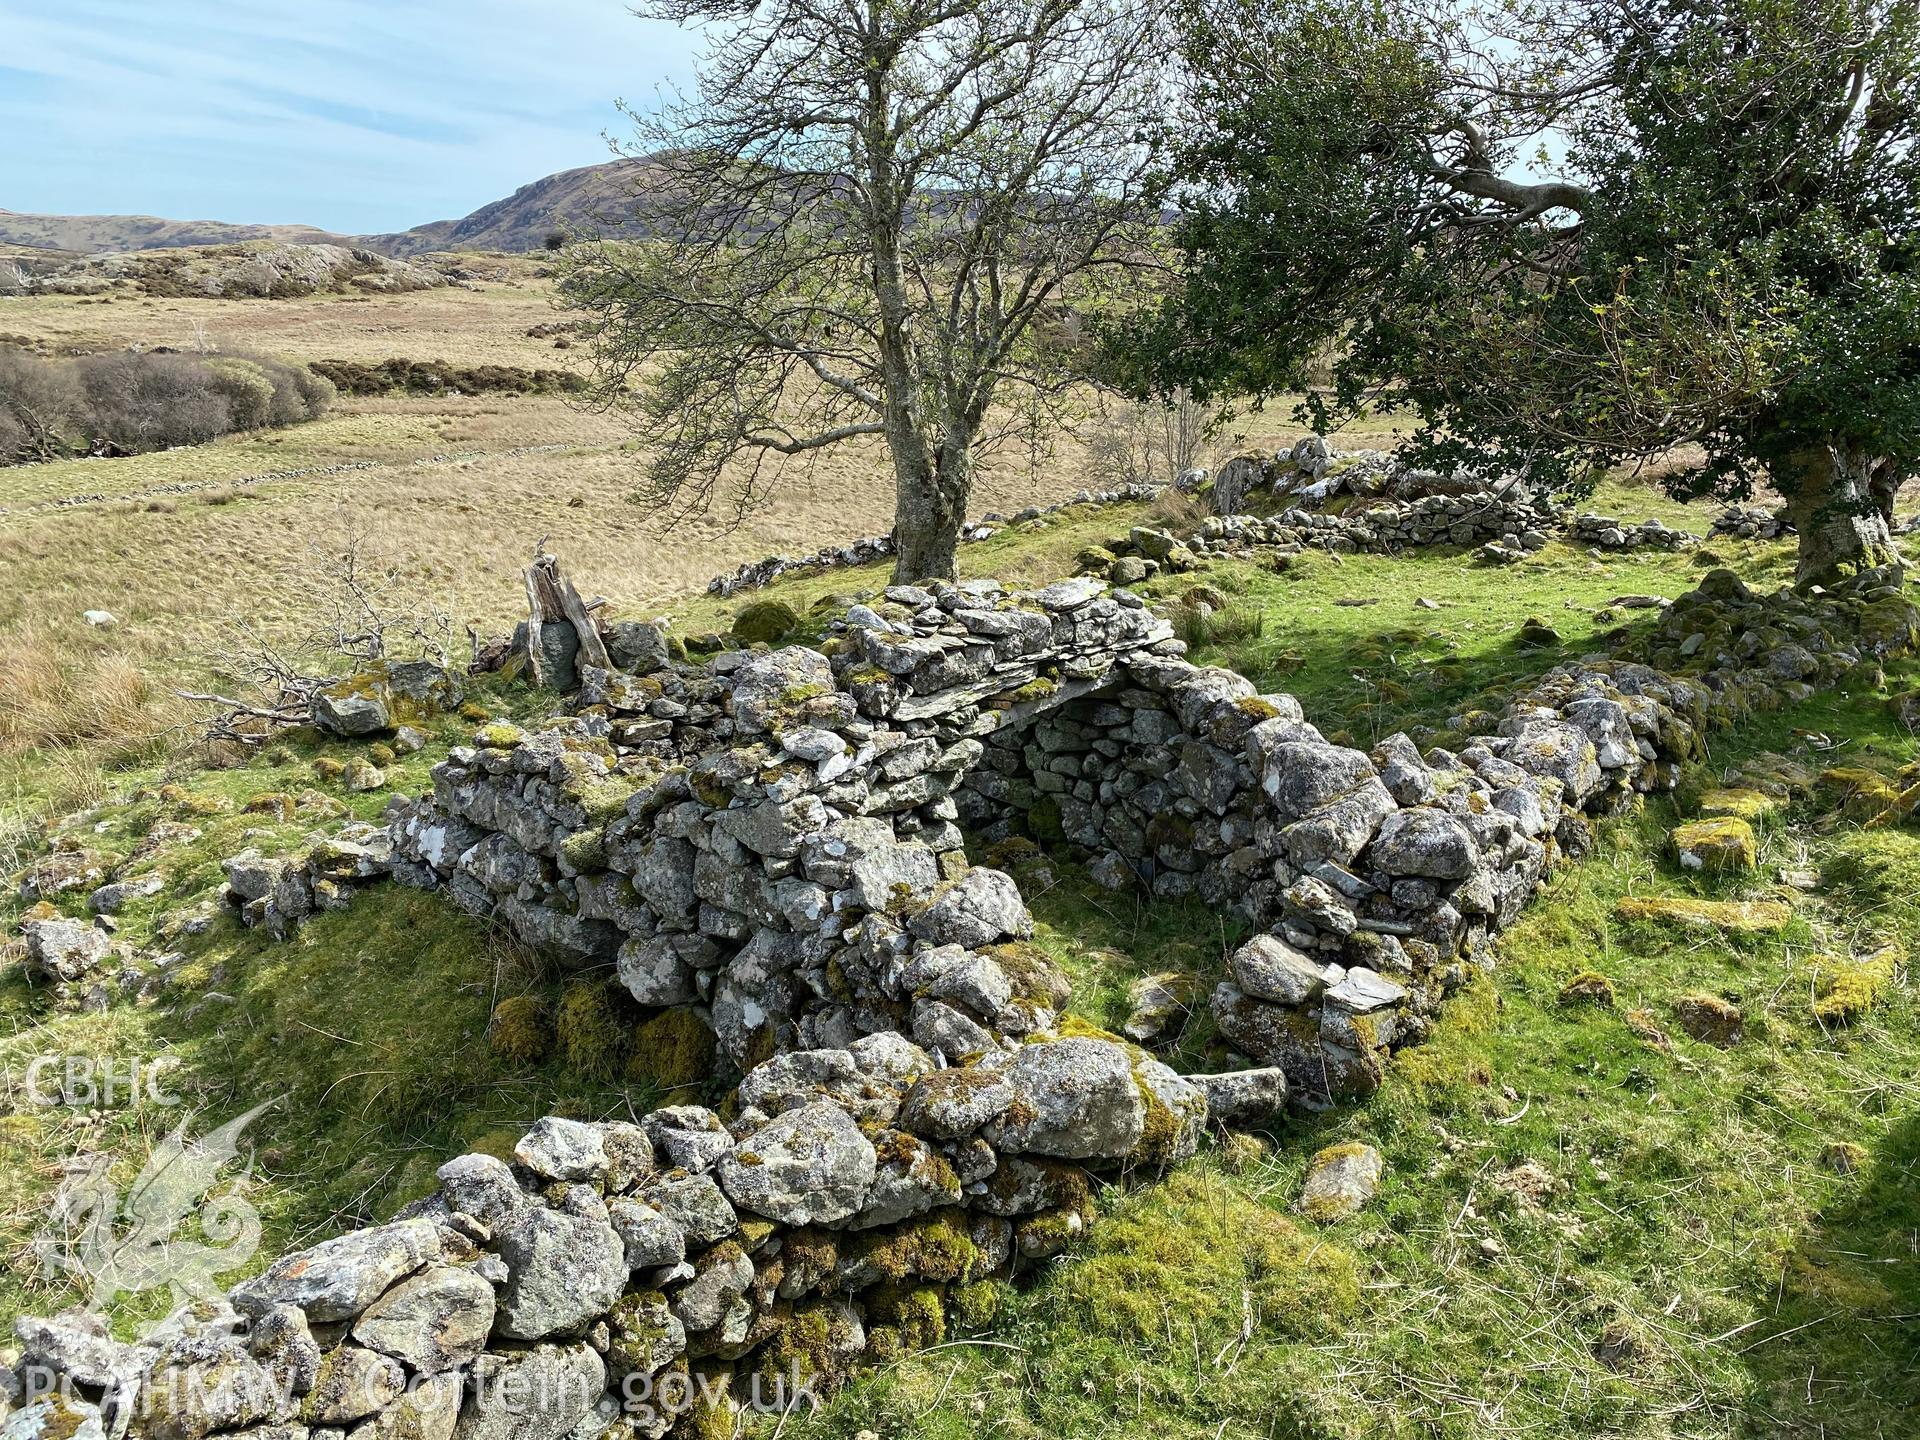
[(367, 1030)]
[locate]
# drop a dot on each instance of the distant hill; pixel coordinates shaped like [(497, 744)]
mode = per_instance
[(568, 201), (99, 234), (255, 269)]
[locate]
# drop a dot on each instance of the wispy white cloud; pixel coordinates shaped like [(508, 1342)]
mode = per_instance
[(348, 114)]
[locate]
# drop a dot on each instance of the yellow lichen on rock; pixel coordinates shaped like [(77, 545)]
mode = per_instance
[(1716, 846), (1747, 917)]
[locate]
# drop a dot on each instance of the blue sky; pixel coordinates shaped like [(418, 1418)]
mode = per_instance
[(350, 115)]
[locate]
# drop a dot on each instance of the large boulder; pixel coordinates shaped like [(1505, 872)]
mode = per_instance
[(772, 686), (1268, 968), (563, 1272), (980, 908), (1074, 1099), (1425, 842), (435, 1321), (63, 949), (358, 704), (809, 1166), (339, 1278)]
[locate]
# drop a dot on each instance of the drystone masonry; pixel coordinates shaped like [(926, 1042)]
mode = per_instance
[(772, 839), (1385, 525), (756, 573), (775, 839), (617, 1281)]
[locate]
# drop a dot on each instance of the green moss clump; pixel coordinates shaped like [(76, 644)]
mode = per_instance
[(1879, 869), (592, 1032), (1161, 1134), (328, 768), (1044, 822), (603, 798), (672, 1050), (1038, 688), (935, 1246), (520, 1030), (381, 753), (272, 802), (1589, 987), (585, 851), (765, 621), (818, 1341), (500, 735), (974, 1305), (1191, 1247), (1848, 988), (811, 1256), (915, 1314)]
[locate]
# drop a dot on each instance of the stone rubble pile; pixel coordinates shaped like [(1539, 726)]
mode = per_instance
[(1605, 532), (1751, 522), (606, 1277), (754, 574)]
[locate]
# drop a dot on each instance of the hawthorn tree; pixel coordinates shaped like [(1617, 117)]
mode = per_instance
[(1567, 234), (874, 218)]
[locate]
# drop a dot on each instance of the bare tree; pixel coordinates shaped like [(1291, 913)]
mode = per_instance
[(870, 220), (1154, 440)]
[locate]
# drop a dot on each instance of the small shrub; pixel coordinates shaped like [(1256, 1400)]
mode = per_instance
[(134, 402)]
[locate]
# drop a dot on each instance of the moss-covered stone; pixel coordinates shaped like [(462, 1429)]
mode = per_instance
[(820, 1341), (765, 621), (499, 735), (1716, 846), (672, 1050), (1741, 802), (1846, 989), (1747, 917), (936, 1246), (520, 1030), (973, 1305), (1710, 1019), (916, 1316)]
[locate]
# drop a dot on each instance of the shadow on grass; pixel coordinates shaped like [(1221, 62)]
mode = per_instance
[(1841, 1350)]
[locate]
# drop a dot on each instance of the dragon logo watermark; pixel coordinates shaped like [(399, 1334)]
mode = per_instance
[(125, 1244)]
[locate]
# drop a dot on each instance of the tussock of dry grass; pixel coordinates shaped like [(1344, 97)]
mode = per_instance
[(67, 721)]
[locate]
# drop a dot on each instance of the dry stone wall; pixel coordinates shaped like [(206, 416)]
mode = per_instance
[(772, 840)]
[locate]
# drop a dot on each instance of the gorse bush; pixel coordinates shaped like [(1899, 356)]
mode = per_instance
[(134, 402), (437, 377)]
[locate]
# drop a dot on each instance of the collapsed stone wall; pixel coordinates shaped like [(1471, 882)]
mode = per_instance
[(604, 1277), (772, 838), (754, 574)]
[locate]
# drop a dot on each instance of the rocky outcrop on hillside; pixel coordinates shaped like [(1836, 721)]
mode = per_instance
[(256, 270)]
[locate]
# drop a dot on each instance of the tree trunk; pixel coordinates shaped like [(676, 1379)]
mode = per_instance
[(1839, 499), (928, 511)]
